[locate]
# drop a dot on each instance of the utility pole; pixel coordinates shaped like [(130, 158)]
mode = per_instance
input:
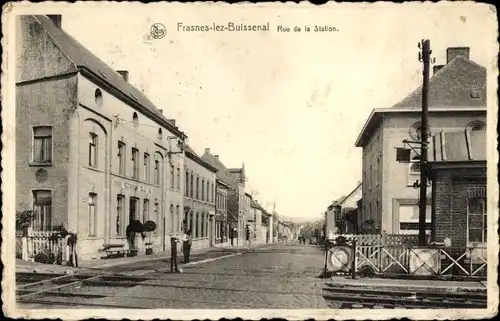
[(424, 56)]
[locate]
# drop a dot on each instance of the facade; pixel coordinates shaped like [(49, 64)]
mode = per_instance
[(248, 218), (237, 202), (98, 148), (266, 225), (235, 193), (199, 199), (257, 226), (457, 166), (221, 226), (457, 99)]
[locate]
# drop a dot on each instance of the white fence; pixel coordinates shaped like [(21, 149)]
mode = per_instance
[(42, 246)]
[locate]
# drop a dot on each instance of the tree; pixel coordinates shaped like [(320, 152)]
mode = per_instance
[(24, 219)]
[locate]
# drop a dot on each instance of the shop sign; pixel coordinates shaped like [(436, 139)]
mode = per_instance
[(137, 187)]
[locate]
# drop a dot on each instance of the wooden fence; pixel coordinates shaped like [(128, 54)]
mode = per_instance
[(400, 254), (41, 246)]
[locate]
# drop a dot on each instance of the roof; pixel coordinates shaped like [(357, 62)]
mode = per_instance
[(450, 89), (85, 60), (452, 86), (462, 146), (256, 204), (344, 199), (191, 154), (222, 172)]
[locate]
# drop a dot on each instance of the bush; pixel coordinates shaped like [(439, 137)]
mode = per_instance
[(24, 219)]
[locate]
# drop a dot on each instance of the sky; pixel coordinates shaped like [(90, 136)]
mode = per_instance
[(288, 105)]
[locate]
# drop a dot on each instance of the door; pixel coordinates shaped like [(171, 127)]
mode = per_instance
[(133, 214)]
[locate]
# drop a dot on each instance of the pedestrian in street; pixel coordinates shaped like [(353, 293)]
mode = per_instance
[(173, 251), (186, 245)]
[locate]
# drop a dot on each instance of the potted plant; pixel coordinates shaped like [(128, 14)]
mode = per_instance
[(149, 227), (132, 230)]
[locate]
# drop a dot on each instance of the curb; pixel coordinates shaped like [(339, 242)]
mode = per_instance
[(416, 288)]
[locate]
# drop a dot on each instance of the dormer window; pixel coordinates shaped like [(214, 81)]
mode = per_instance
[(475, 94)]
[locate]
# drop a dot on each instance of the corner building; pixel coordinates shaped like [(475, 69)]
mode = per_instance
[(93, 153)]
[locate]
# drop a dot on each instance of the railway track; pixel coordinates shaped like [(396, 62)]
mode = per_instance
[(370, 298), (79, 290)]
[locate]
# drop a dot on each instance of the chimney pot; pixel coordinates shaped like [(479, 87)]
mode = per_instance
[(207, 150), (453, 52), (124, 74), (56, 19), (216, 156)]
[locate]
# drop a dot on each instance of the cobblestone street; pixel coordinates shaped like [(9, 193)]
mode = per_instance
[(279, 277)]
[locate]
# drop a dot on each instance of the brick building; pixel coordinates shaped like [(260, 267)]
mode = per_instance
[(457, 98), (199, 199), (92, 150), (457, 167), (221, 227)]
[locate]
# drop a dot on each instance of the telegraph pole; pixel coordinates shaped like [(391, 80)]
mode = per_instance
[(424, 56)]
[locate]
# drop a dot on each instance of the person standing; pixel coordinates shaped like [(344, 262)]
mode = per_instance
[(186, 245), (173, 251)]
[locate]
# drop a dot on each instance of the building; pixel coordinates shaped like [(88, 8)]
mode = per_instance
[(235, 193), (199, 199), (92, 151), (248, 217), (457, 99), (221, 226), (457, 167), (343, 212), (237, 201), (259, 228), (266, 225)]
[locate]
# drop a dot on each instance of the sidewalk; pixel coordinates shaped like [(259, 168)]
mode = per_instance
[(410, 284), (98, 264)]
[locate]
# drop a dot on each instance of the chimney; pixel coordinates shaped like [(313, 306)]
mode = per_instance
[(56, 19), (207, 150), (437, 68), (453, 52), (216, 156), (124, 74), (161, 111), (172, 121)]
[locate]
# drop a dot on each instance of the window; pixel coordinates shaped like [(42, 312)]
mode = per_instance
[(202, 225), (135, 163), (42, 144), (177, 218), (157, 216), (370, 177), (477, 220), (98, 97), (475, 125), (42, 208), (160, 134), (135, 119), (378, 172), (191, 192), (121, 158), (92, 213), (203, 190), (197, 188), (415, 131), (171, 218), (119, 213), (146, 167), (172, 176), (197, 225), (414, 170), (145, 211), (178, 179), (186, 188), (157, 172), (93, 150), (208, 192)]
